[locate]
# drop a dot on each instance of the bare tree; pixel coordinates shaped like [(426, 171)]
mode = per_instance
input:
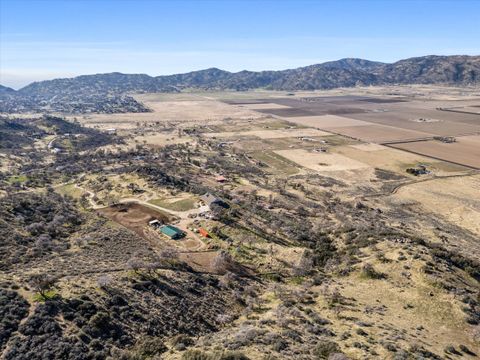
[(42, 283), (224, 319), (168, 255), (104, 282), (135, 264), (222, 262)]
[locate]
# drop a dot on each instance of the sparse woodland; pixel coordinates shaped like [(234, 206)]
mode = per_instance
[(76, 285)]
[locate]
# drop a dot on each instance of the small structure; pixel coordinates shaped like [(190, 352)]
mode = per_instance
[(419, 170), (445, 139), (155, 223), (304, 138), (203, 232), (220, 179), (111, 131), (172, 232), (210, 200)]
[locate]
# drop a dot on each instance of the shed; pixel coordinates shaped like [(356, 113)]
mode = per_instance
[(203, 232), (172, 232), (154, 223)]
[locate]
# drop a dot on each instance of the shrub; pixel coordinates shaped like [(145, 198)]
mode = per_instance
[(325, 348), (181, 342), (201, 355), (150, 346), (369, 272)]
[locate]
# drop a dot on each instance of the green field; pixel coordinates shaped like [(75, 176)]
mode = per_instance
[(17, 179), (180, 205), (70, 190), (276, 163)]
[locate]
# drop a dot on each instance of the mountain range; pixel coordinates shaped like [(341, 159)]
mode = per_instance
[(456, 70)]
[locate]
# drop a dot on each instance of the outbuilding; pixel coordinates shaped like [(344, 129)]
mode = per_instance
[(155, 223), (210, 199), (172, 232), (203, 232)]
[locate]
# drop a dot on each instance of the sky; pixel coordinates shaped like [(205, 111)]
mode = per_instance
[(45, 39)]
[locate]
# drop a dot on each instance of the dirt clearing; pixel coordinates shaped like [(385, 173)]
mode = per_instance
[(321, 161), (134, 216)]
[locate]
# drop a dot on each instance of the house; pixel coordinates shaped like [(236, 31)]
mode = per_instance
[(203, 232), (172, 232), (210, 199)]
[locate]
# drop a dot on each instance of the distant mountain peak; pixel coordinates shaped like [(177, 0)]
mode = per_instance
[(347, 72)]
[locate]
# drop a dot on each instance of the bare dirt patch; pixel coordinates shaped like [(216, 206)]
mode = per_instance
[(200, 261), (133, 216), (321, 161)]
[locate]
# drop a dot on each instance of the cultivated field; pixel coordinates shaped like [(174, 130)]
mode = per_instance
[(405, 115), (465, 151), (321, 161), (271, 134)]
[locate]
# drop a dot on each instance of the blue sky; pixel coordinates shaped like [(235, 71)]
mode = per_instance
[(44, 39)]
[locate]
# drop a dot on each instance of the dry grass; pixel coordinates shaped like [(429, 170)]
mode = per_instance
[(320, 161), (271, 134), (175, 203), (455, 199)]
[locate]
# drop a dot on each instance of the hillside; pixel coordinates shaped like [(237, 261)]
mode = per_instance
[(6, 90), (341, 73), (105, 93)]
